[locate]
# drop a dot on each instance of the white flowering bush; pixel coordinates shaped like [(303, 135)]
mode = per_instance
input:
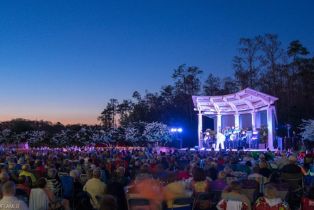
[(157, 132), (307, 130), (136, 133)]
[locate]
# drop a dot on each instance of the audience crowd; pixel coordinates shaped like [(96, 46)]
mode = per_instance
[(123, 178)]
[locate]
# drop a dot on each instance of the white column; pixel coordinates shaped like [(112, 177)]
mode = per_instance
[(237, 121), (270, 127), (258, 120), (253, 120), (200, 128), (218, 123)]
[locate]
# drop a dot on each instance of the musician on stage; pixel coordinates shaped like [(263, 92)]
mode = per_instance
[(208, 138), (220, 141)]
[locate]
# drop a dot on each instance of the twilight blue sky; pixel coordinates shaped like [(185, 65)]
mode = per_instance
[(62, 60)]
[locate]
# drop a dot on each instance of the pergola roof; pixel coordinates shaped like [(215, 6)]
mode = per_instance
[(243, 101)]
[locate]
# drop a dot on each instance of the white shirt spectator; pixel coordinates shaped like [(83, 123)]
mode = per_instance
[(12, 203)]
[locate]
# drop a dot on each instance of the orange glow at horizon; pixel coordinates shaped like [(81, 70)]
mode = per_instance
[(90, 120)]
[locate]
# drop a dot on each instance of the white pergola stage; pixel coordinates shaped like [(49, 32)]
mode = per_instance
[(244, 102)]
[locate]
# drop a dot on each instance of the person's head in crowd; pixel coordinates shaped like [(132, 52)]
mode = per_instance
[(222, 175), (52, 173), (108, 202), (120, 171), (26, 167), (227, 169), (213, 164), (262, 157), (283, 154), (270, 192), (8, 188), (262, 164), (38, 163), (4, 176), (235, 186), (198, 174), (41, 183), (11, 165), (96, 173), (144, 169), (248, 163), (20, 161), (74, 174), (292, 159)]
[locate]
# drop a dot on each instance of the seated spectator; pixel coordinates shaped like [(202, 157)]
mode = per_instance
[(307, 202), (174, 189), (199, 183), (233, 192), (4, 177), (108, 202), (13, 173), (211, 171), (143, 174), (53, 182), (9, 201), (77, 186), (42, 198), (270, 201), (219, 184), (183, 173), (95, 187), (257, 176), (120, 176), (282, 161), (26, 172), (116, 186), (292, 167), (22, 185), (264, 170), (40, 169), (160, 173)]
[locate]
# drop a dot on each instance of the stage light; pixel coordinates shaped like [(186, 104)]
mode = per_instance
[(176, 130), (177, 133)]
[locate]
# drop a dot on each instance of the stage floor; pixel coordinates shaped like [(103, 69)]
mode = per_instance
[(246, 150)]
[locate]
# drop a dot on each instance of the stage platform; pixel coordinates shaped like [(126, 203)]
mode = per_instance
[(246, 150)]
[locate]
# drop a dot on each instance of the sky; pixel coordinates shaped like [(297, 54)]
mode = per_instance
[(63, 60)]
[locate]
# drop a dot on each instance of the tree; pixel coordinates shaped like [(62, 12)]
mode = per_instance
[(229, 86), (273, 59), (187, 79), (211, 86), (247, 63), (124, 109), (108, 115), (296, 49)]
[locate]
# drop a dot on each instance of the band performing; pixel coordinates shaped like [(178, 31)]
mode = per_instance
[(230, 138)]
